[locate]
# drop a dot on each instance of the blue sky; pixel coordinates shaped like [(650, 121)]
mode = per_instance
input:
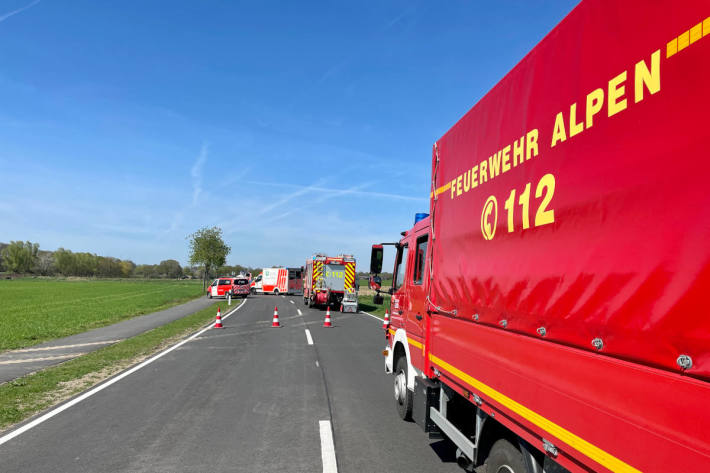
[(295, 126)]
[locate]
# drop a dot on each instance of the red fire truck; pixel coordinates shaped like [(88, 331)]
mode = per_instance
[(328, 279), (552, 312)]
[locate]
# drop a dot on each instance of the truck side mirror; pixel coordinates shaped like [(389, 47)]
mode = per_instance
[(378, 299), (376, 259)]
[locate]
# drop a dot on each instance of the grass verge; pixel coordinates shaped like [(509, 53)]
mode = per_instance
[(25, 396), (59, 308), (367, 305)]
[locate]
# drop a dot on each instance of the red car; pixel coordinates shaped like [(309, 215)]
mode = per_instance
[(240, 286), (220, 287)]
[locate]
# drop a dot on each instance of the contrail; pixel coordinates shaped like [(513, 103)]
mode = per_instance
[(15, 12)]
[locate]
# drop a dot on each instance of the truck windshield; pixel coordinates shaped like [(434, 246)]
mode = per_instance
[(401, 267)]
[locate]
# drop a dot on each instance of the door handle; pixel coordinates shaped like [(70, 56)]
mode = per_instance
[(419, 317)]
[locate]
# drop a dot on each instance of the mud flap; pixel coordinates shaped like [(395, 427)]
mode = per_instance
[(426, 394)]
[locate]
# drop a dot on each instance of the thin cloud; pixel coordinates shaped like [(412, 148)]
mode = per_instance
[(19, 10), (352, 191), (301, 190), (196, 173)]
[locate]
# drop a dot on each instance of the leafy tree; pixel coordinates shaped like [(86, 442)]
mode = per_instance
[(86, 264), (127, 268), (208, 249), (19, 257), (146, 270), (65, 262), (45, 264), (170, 269), (107, 266)]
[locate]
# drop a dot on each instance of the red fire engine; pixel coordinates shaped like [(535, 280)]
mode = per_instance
[(328, 279), (551, 313)]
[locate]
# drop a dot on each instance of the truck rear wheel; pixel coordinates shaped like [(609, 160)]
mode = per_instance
[(402, 396), (505, 458)]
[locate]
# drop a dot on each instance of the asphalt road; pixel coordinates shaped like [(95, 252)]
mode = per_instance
[(248, 398)]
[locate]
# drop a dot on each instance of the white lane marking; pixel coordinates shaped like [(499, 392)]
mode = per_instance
[(284, 297), (292, 302), (88, 394), (317, 364), (308, 337), (373, 316), (46, 358), (299, 311), (327, 449), (58, 347)]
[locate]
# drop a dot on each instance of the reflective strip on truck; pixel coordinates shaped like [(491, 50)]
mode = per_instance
[(349, 275), (595, 453)]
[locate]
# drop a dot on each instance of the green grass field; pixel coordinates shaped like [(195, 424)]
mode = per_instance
[(367, 305), (36, 310)]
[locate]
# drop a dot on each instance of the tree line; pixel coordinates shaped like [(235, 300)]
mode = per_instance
[(19, 257)]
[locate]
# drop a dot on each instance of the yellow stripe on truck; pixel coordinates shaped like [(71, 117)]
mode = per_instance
[(441, 189), (595, 453)]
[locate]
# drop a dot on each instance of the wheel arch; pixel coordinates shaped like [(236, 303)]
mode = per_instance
[(400, 340)]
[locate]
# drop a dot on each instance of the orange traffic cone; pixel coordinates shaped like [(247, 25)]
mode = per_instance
[(275, 321), (218, 322), (386, 323), (327, 323)]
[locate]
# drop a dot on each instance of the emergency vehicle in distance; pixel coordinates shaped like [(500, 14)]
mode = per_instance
[(240, 286), (279, 281), (551, 313), (255, 284), (220, 287), (328, 281)]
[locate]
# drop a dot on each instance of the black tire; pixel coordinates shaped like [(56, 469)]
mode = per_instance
[(505, 458), (276, 292), (209, 295), (404, 398)]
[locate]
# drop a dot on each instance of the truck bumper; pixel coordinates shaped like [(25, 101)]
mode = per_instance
[(350, 307), (389, 359)]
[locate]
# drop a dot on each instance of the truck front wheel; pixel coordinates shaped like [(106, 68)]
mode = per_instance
[(403, 396), (505, 458)]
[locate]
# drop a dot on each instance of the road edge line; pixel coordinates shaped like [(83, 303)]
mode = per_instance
[(58, 410), (373, 316)]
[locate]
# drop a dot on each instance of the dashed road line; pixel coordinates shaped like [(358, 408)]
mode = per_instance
[(299, 311), (59, 347), (308, 337), (327, 448), (46, 358), (292, 302), (30, 425)]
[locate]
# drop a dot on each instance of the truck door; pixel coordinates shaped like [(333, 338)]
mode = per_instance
[(399, 290), (415, 311)]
